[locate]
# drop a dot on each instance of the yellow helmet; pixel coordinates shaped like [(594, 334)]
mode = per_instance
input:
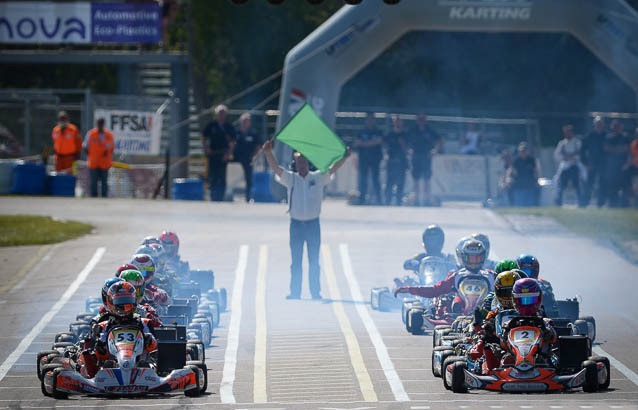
[(503, 288)]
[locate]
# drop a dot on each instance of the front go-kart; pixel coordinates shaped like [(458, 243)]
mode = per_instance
[(531, 372), (471, 290), (126, 374)]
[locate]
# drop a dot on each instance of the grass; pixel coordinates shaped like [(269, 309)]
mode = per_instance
[(38, 230), (620, 226)]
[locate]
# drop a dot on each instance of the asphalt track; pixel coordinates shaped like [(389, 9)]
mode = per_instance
[(330, 354)]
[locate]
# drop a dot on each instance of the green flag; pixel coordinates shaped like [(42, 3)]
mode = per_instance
[(308, 134)]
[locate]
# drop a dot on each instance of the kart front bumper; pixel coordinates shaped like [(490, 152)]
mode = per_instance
[(512, 380), (136, 381)]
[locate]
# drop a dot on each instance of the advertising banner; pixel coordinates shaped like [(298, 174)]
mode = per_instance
[(136, 132), (80, 22)]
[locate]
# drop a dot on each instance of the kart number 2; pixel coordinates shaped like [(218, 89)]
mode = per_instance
[(524, 335)]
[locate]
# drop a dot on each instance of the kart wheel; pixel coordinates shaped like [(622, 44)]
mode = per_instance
[(447, 340), (62, 345), (458, 377), (47, 375), (439, 331), (85, 316), (580, 327), (200, 349), (591, 376), (386, 300), (444, 369), (445, 352), (214, 308), (414, 322), (202, 366), (206, 330), (41, 360), (60, 395), (591, 327), (223, 299), (65, 337), (198, 384), (605, 362), (374, 301)]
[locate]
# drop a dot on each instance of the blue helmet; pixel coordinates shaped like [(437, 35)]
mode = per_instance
[(529, 264), (107, 285)]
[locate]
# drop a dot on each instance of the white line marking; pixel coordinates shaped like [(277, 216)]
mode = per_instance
[(26, 341), (630, 374), (230, 356), (260, 394), (382, 352)]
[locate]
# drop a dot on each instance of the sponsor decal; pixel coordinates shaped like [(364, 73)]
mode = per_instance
[(179, 382), (340, 44), (126, 389), (488, 9), (136, 132)]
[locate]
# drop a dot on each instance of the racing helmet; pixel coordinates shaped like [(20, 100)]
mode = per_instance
[(148, 250), (124, 267), (473, 255), (485, 240), (135, 278), (433, 239), (170, 242), (120, 299), (527, 297), (503, 285), (504, 265), (144, 264), (529, 264), (150, 240), (521, 273), (107, 285), (459, 248), (160, 256)]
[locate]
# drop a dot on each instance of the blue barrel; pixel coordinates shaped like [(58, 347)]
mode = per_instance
[(6, 174), (191, 189), (61, 184), (29, 179), (260, 191)]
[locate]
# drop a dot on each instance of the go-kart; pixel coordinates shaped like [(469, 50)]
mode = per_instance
[(570, 365), (444, 310), (127, 373), (426, 272)]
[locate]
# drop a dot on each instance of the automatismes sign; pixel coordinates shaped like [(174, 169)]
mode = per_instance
[(79, 22), (136, 132)]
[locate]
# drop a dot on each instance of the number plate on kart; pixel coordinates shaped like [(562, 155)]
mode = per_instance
[(126, 389), (473, 287), (125, 337), (524, 335)]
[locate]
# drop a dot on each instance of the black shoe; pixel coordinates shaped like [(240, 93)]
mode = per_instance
[(289, 297), (317, 297)]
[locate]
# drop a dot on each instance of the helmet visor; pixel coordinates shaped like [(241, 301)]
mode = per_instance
[(504, 292), (148, 274), (527, 299)]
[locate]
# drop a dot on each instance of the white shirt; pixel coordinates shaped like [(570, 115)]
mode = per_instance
[(304, 193)]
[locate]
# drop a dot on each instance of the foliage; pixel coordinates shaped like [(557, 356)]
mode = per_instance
[(38, 230)]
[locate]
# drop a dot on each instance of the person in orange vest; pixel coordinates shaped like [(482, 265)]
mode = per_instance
[(67, 143), (99, 144)]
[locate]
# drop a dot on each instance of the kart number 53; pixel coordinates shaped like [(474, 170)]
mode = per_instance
[(125, 337)]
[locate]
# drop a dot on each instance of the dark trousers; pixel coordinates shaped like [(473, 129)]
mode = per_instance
[(369, 167), (611, 182), (569, 175), (217, 178), (593, 179), (310, 233), (396, 179), (101, 175), (248, 175)]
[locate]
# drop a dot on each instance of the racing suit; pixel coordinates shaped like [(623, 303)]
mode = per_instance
[(488, 338), (158, 296), (448, 285), (548, 335)]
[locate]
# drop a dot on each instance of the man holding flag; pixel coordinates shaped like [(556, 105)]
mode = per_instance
[(318, 144)]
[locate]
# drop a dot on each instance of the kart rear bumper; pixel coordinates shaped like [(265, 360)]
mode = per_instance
[(137, 381)]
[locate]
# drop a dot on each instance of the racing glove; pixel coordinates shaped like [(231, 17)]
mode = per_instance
[(148, 340), (100, 347), (402, 289)]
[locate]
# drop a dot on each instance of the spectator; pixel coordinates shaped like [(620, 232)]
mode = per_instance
[(505, 182), (570, 169), (524, 174), (99, 145), (616, 152), (305, 193), (424, 143), (218, 140), (470, 141), (593, 155), (397, 148), (368, 145), (67, 143), (248, 145), (631, 171)]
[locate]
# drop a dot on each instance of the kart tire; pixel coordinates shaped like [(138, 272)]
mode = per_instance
[(205, 323), (446, 362), (439, 331), (591, 327), (85, 316), (605, 361), (414, 323), (63, 345), (591, 376), (580, 327), (223, 299), (458, 377), (69, 338), (204, 368), (446, 352), (59, 395), (39, 365), (198, 384), (45, 369), (373, 305), (214, 307), (193, 344), (83, 331)]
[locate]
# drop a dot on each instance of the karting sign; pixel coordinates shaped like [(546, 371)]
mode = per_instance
[(136, 132)]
